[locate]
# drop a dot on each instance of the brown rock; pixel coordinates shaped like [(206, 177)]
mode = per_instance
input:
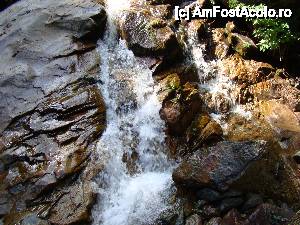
[(218, 166), (203, 130), (233, 217), (180, 106), (246, 71), (267, 214), (149, 35)]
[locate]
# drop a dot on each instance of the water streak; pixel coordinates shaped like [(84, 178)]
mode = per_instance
[(133, 188)]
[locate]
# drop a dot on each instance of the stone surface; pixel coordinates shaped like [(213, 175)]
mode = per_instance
[(267, 214), (246, 72), (218, 166), (51, 111), (233, 217), (147, 33), (180, 105), (194, 220), (208, 195), (252, 201)]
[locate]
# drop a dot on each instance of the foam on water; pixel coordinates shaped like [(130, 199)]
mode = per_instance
[(138, 199), (133, 127), (213, 79)]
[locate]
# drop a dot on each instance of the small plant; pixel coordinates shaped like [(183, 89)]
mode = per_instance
[(174, 84), (270, 33)]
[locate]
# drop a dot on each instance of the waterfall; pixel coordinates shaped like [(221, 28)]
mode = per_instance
[(134, 185), (213, 79)]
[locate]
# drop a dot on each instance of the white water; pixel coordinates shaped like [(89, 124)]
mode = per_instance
[(214, 80), (137, 195)]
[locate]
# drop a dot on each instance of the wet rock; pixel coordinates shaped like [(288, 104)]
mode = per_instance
[(194, 220), (275, 176), (278, 173), (233, 217), (240, 128), (275, 88), (203, 130), (267, 214), (280, 116), (73, 206), (180, 106), (208, 195), (221, 44), (295, 220), (230, 203), (227, 42), (252, 201), (243, 45), (147, 34), (246, 72), (215, 221), (208, 211), (32, 219), (218, 166), (51, 111), (232, 194)]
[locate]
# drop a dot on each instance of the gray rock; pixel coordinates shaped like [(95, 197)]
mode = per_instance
[(194, 220), (230, 203), (215, 221), (218, 166), (252, 201), (208, 195), (51, 111)]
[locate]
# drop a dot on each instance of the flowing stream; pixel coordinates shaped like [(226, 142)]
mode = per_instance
[(136, 182), (213, 79)]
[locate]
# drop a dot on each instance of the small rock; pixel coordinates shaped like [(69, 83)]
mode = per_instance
[(208, 195), (215, 221), (209, 211), (252, 201), (233, 218), (267, 214), (296, 157), (232, 194), (230, 203), (194, 220)]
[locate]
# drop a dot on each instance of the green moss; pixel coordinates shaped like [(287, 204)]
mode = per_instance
[(157, 23)]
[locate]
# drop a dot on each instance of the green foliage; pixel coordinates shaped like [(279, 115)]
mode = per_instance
[(270, 33), (234, 3)]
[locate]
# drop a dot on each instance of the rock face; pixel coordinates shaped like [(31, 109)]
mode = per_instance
[(146, 30), (218, 166), (180, 105), (51, 111)]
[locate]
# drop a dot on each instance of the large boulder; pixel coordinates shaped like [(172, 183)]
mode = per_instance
[(244, 165), (51, 111), (218, 166), (180, 105), (147, 33)]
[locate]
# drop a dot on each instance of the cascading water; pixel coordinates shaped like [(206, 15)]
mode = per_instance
[(212, 79), (135, 183)]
